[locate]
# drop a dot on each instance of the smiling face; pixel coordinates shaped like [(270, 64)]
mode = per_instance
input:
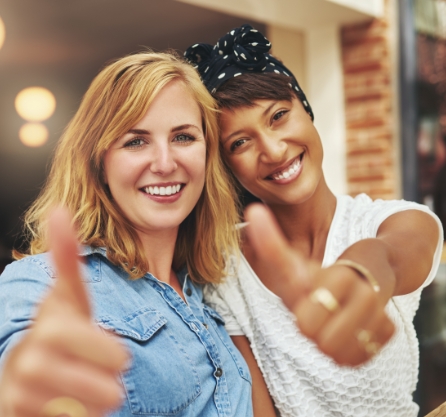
[(274, 150), (156, 171)]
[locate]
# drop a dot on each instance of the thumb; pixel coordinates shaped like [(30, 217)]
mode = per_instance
[(284, 271), (64, 250)]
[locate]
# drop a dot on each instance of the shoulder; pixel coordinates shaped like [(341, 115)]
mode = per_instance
[(23, 284), (41, 264), (366, 215), (362, 202), (229, 283), (34, 264)]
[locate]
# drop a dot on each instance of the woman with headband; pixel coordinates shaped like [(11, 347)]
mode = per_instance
[(139, 168), (348, 271)]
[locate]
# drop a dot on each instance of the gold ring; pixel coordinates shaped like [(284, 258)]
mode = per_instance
[(323, 296), (64, 406), (364, 338)]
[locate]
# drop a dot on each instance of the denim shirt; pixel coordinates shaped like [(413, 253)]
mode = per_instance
[(183, 361)]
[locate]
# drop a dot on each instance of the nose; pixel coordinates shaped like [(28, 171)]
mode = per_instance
[(272, 149), (163, 160)]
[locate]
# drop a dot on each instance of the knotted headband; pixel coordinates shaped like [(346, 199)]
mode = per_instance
[(240, 51)]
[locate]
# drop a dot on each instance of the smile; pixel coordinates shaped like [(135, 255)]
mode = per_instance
[(289, 172), (158, 190)]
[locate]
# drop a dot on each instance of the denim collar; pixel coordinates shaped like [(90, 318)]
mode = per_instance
[(86, 250), (89, 250)]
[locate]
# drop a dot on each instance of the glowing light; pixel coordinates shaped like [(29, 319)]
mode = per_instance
[(35, 104), (2, 32), (33, 134)]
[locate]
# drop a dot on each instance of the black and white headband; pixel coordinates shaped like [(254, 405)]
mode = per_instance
[(242, 50)]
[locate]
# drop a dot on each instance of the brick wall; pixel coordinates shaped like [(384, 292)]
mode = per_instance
[(369, 109)]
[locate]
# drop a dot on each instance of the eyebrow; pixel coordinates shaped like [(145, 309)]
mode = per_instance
[(264, 113), (232, 135), (267, 110), (174, 129), (139, 132), (185, 126)]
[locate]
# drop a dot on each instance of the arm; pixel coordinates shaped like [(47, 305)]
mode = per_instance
[(351, 325), (410, 239), (262, 402), (400, 257)]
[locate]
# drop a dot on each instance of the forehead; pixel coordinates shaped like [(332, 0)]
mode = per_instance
[(233, 112), (174, 101), (246, 114)]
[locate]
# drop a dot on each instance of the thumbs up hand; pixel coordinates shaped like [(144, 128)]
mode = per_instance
[(284, 271), (64, 355), (335, 308)]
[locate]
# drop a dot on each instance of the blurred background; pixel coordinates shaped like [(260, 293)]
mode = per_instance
[(373, 70)]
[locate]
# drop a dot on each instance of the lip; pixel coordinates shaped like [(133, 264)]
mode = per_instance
[(162, 184), (284, 167), (166, 199)]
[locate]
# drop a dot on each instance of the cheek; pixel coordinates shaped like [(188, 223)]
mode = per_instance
[(243, 168), (195, 164), (246, 171), (120, 174)]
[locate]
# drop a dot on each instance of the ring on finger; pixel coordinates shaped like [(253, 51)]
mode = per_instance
[(63, 406), (364, 338), (324, 297)]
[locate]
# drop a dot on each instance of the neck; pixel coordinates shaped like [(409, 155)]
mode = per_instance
[(306, 225), (159, 249)]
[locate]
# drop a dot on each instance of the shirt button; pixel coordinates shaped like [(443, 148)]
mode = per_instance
[(194, 328), (205, 325), (188, 292), (218, 372)]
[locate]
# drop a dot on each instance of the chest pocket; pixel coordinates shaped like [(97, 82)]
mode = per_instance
[(161, 380)]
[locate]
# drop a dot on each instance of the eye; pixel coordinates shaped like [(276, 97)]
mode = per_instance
[(279, 115), (184, 138), (236, 144), (134, 143)]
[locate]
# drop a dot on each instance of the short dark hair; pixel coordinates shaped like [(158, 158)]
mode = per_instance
[(243, 90)]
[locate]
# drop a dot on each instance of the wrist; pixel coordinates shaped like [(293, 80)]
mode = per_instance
[(362, 271)]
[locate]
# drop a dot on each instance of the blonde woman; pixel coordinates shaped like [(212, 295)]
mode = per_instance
[(139, 169)]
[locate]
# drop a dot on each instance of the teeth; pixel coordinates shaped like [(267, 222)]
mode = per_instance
[(290, 171), (169, 190)]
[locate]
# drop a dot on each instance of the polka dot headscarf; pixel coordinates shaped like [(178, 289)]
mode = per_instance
[(242, 50)]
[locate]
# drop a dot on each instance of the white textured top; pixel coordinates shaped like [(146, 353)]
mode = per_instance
[(302, 380)]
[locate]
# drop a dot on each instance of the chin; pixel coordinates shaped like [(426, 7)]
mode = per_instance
[(162, 223), (291, 198)]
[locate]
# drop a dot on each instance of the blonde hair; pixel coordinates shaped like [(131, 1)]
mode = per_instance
[(116, 100)]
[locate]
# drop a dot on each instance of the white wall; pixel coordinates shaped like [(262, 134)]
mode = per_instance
[(372, 7), (325, 93), (297, 14), (289, 46)]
